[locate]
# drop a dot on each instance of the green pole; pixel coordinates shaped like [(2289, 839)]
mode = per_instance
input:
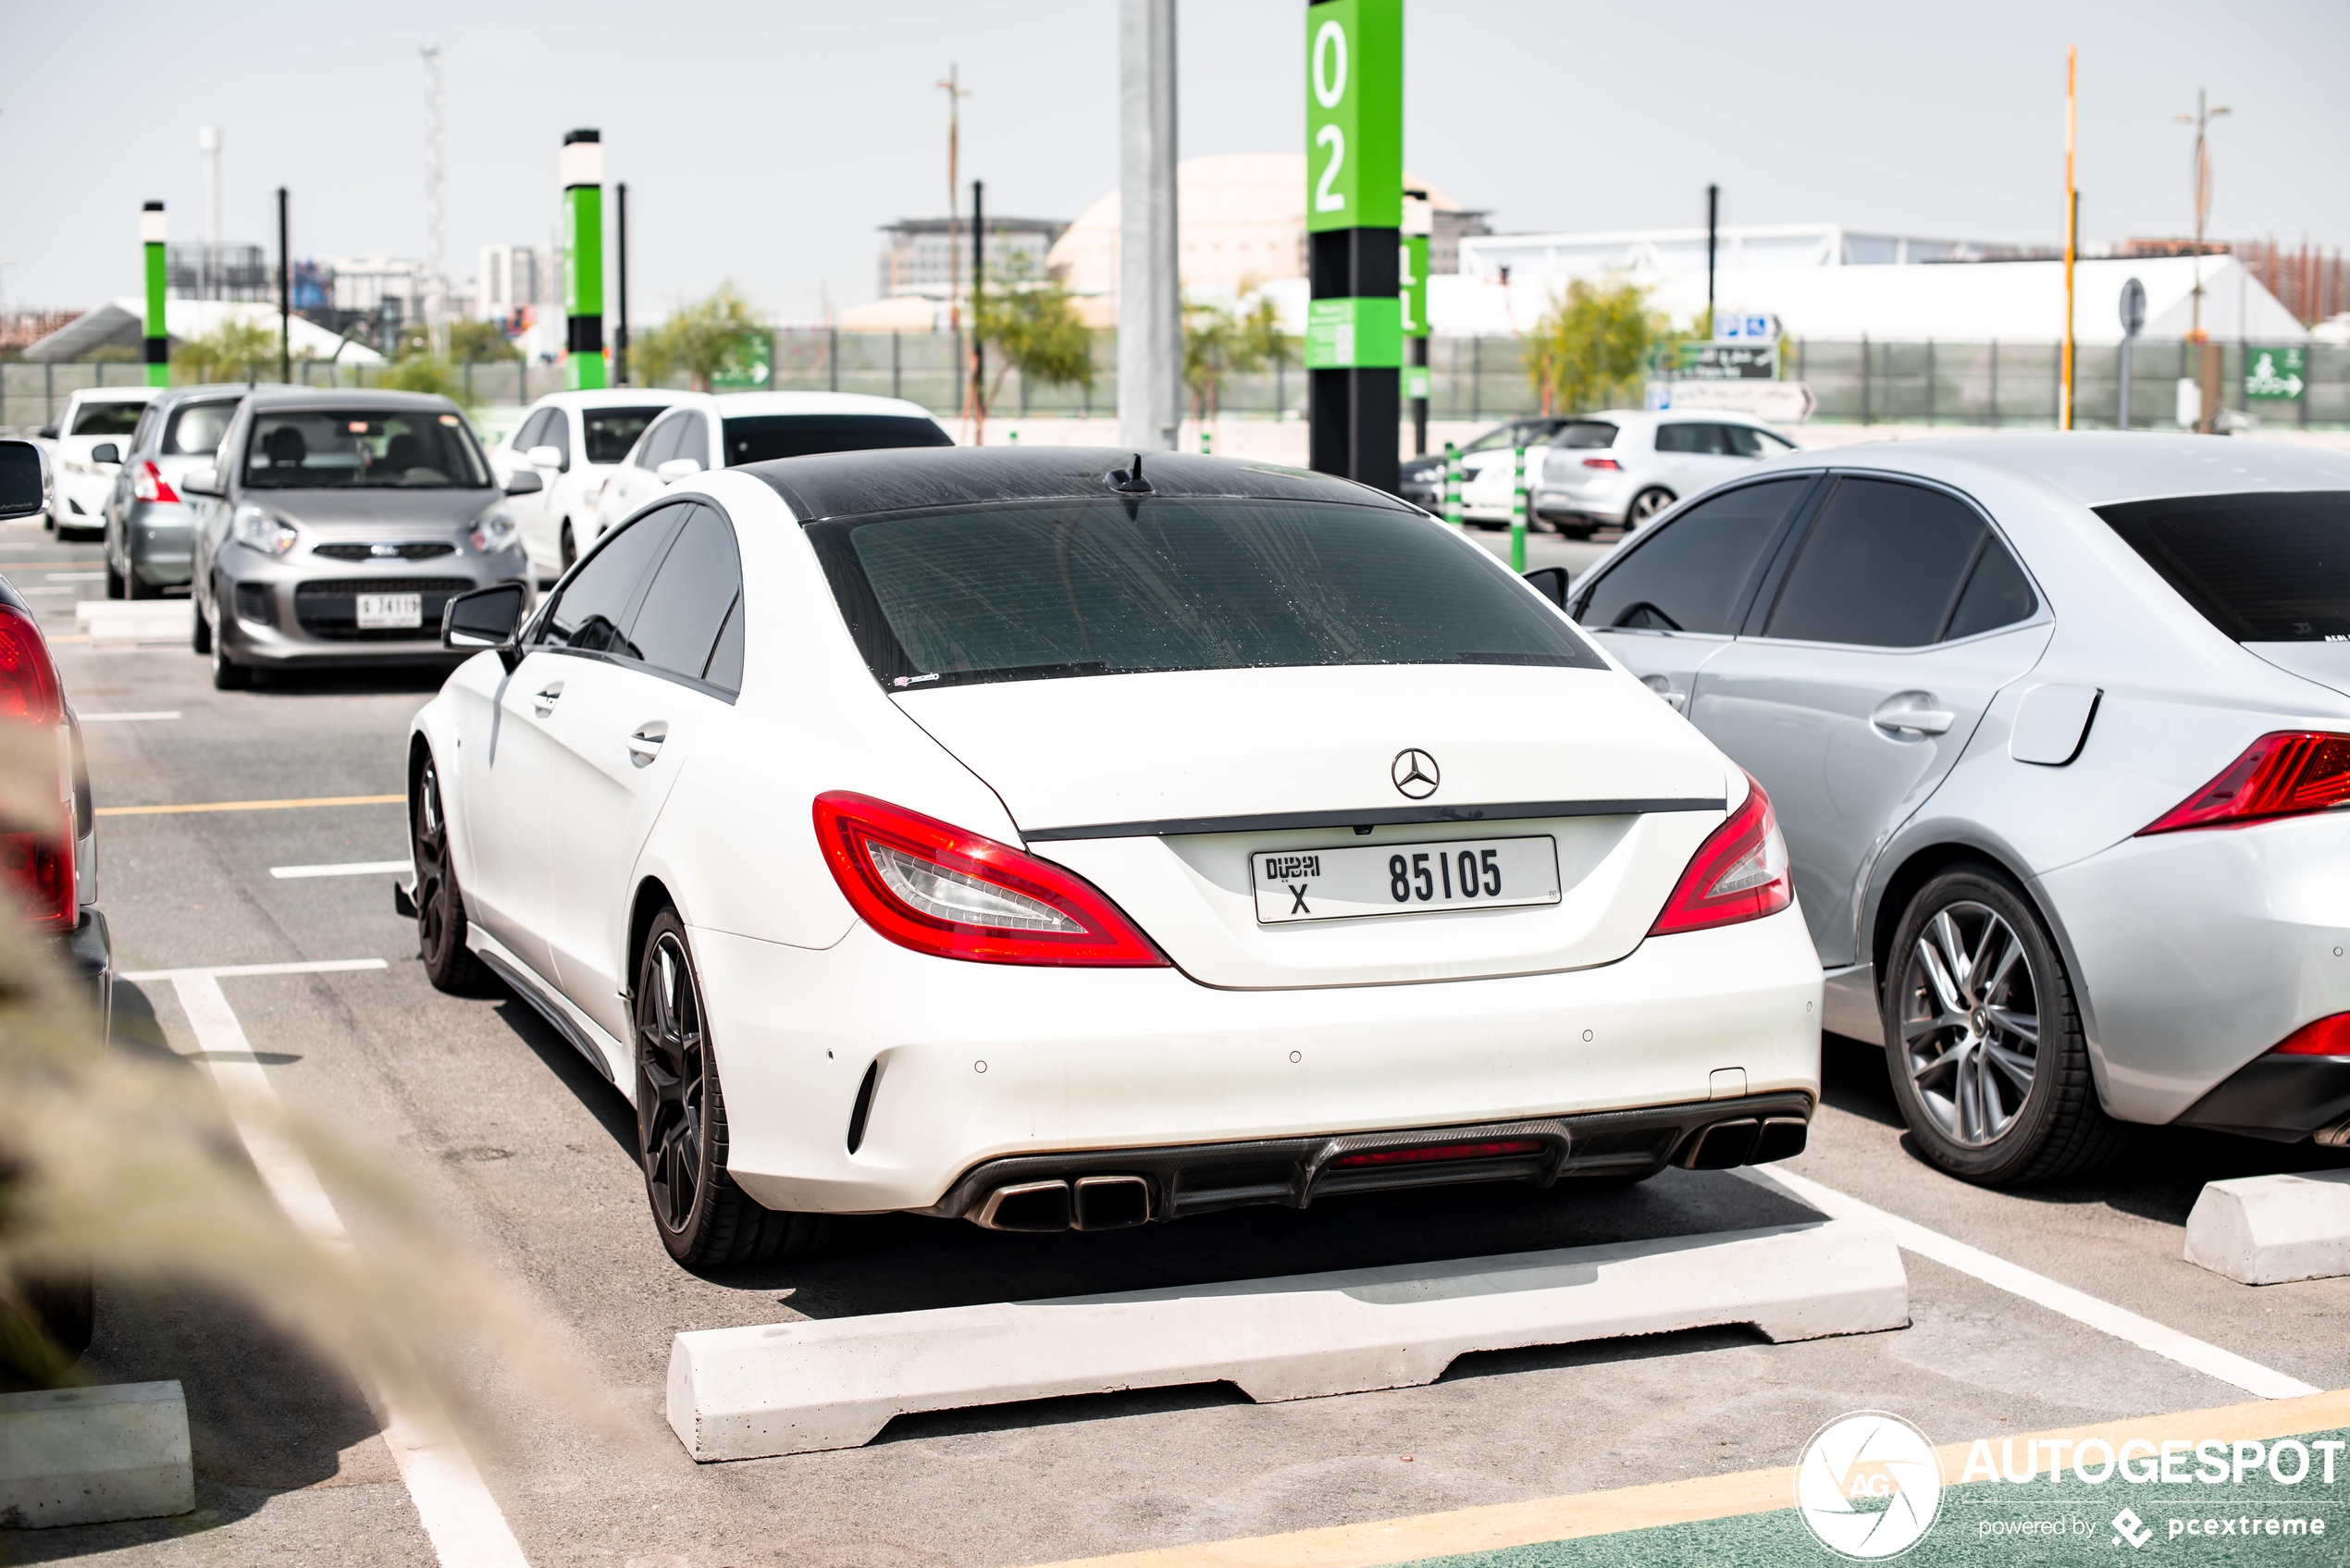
[(152, 234), (1453, 484), (1517, 512), (583, 177)]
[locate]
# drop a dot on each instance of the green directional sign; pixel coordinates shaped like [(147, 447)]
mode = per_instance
[(1354, 115), (2274, 376), (1414, 284)]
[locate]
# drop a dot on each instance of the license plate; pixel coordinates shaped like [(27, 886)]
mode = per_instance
[(1353, 881), (382, 612)]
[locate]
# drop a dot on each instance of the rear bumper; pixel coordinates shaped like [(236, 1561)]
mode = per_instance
[(87, 951), (158, 541), (2284, 1099)]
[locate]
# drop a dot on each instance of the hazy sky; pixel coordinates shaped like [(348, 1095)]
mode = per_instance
[(766, 141)]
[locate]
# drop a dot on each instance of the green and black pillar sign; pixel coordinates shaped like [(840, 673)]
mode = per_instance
[(583, 175), (1354, 215), (151, 235)]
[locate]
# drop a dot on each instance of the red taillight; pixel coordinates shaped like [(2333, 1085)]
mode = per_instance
[(2283, 774), (1491, 1149), (1607, 463), (1739, 873), (147, 483), (36, 835), (2321, 1037), (940, 890)]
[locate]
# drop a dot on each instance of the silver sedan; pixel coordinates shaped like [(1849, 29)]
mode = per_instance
[(2057, 727)]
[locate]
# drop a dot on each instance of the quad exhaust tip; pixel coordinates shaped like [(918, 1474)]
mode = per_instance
[(1091, 1203)]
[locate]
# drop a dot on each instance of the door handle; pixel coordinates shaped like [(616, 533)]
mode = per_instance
[(1912, 712), (1663, 687), (545, 701), (645, 745)]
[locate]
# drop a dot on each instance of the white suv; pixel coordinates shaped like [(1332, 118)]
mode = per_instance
[(1620, 467)]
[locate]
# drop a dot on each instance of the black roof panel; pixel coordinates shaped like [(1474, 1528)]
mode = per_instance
[(903, 478)]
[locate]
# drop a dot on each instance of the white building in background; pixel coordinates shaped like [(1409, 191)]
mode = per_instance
[(367, 283), (1650, 255), (509, 278)]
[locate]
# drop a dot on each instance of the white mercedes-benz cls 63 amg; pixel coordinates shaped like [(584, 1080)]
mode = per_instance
[(1052, 838)]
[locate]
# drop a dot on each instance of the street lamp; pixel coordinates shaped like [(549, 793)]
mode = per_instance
[(2201, 175)]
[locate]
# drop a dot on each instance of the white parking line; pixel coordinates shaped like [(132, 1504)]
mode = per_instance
[(2041, 1291), (126, 718), (347, 869), (75, 576), (459, 1514)]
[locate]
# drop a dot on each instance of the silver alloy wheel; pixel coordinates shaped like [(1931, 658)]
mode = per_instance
[(1645, 505), (1970, 1023)]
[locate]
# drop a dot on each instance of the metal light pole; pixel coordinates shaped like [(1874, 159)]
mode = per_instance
[(620, 327), (285, 294), (1713, 233), (2133, 318), (2071, 227), (955, 94), (1150, 295), (2200, 175), (979, 349), (207, 269)]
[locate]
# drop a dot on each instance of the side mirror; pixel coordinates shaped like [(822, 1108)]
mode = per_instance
[(105, 452), (203, 482), (23, 479), (525, 482), (1550, 581), (547, 457), (485, 618), (47, 432), (678, 468)]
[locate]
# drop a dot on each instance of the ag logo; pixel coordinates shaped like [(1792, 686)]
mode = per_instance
[(1868, 1485), (1415, 773)]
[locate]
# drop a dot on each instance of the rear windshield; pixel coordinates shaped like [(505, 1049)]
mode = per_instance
[(107, 419), (612, 431), (361, 448), (1097, 586), (1584, 433), (756, 438), (2262, 568), (196, 428)]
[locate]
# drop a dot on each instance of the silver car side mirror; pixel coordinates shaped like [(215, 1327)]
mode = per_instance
[(202, 482), (678, 468), (24, 479), (525, 482)]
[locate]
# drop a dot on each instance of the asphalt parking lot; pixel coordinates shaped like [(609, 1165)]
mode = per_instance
[(524, 1152)]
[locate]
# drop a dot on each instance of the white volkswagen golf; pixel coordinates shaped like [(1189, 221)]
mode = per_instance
[(1053, 838)]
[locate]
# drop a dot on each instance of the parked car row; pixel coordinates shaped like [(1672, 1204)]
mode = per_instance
[(1616, 468)]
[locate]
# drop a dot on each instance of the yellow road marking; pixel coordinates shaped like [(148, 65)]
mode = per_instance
[(1497, 1526), (252, 805)]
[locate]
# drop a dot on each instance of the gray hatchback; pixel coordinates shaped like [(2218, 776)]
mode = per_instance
[(149, 529), (337, 524)]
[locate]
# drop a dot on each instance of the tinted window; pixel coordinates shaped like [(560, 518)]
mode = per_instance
[(726, 660), (697, 582), (1506, 435), (196, 428), (1999, 594), (693, 438), (1745, 440), (147, 425), (1585, 433), (756, 438), (1689, 574), (661, 444), (612, 431), (594, 611), (2262, 568), (1689, 438), (1093, 586), (1881, 566), (361, 448), (532, 432), (107, 419)]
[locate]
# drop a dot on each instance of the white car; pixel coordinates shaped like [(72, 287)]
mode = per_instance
[(2058, 726), (705, 432), (86, 446), (1620, 467), (1041, 845), (571, 440)]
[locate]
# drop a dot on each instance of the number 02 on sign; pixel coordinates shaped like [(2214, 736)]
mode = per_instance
[(1403, 879)]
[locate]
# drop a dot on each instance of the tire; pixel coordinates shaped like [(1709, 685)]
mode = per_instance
[(1985, 1049), (569, 548), (226, 674), (703, 1218), (1645, 505), (199, 626), (441, 903), (114, 580), (137, 587)]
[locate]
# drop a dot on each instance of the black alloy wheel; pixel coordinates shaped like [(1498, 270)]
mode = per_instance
[(441, 904), (704, 1219), (1985, 1045)]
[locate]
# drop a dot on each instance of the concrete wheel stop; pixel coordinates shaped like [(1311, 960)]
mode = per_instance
[(2272, 1229), (797, 1388), (87, 1456)]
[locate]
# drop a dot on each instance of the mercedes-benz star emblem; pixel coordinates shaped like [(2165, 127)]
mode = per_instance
[(1415, 773)]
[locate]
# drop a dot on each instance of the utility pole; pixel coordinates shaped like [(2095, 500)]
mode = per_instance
[(436, 285), (1713, 232), (620, 330), (2071, 224), (208, 149), (978, 399), (285, 294), (955, 94), (152, 236), (2201, 176), (1150, 295)]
